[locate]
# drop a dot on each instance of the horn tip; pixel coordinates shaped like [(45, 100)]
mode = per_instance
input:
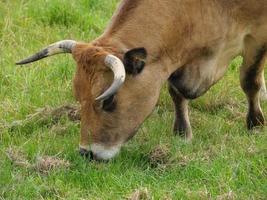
[(21, 63)]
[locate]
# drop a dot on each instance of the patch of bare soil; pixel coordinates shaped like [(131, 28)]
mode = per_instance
[(49, 115), (43, 164), (227, 196), (140, 194), (47, 163), (72, 111), (159, 156), (17, 157), (183, 160), (59, 129)]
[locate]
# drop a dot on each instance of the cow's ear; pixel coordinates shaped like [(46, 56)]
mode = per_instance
[(134, 60)]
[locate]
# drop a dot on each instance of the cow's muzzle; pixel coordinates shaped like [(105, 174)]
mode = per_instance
[(100, 152)]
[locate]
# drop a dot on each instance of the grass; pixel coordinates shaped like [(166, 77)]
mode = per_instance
[(224, 161)]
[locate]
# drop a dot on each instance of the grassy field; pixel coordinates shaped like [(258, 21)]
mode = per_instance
[(224, 161)]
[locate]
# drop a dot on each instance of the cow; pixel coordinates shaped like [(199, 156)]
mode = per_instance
[(187, 43)]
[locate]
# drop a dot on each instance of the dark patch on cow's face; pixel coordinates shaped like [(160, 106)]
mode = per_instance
[(103, 137), (134, 60), (252, 83), (109, 105), (106, 137)]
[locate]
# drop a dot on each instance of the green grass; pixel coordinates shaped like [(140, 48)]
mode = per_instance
[(224, 161)]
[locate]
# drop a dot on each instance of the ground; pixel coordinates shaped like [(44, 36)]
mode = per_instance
[(38, 149)]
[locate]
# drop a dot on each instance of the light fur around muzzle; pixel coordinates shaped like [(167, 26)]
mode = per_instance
[(104, 153)]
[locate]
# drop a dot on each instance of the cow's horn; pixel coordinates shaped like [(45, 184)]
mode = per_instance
[(64, 46), (116, 65)]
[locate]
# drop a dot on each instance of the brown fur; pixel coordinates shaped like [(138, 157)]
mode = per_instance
[(194, 39), (124, 12)]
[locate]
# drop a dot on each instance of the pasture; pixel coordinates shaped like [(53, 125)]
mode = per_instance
[(223, 161)]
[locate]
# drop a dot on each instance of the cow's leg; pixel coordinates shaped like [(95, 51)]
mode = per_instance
[(181, 123), (251, 81), (263, 88)]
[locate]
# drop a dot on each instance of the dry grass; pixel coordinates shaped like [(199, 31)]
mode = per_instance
[(17, 157), (140, 194), (43, 164)]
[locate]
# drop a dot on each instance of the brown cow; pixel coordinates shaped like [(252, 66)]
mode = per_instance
[(188, 43)]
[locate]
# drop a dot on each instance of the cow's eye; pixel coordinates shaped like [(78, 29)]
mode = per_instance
[(109, 104)]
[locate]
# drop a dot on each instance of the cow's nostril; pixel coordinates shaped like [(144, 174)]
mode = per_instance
[(99, 152), (88, 154), (85, 153), (91, 155)]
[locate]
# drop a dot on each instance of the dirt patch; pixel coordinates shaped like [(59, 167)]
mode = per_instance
[(59, 129), (140, 194), (159, 156), (229, 196), (43, 164), (200, 194), (47, 163), (183, 160), (72, 111), (48, 116), (17, 157)]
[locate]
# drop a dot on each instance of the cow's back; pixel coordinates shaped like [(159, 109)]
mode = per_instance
[(166, 26)]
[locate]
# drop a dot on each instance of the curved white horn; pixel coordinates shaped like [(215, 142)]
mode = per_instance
[(64, 46), (116, 65)]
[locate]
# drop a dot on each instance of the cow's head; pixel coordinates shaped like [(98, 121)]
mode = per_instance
[(114, 90)]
